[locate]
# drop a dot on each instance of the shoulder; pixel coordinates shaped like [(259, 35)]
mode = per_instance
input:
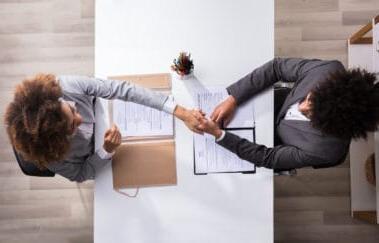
[(328, 66), (72, 83)]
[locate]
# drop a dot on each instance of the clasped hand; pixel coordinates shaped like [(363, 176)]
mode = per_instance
[(196, 121)]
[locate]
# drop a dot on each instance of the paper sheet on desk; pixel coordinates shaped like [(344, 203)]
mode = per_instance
[(209, 98), (211, 157), (139, 120)]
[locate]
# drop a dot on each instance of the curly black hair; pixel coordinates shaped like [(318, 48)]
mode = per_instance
[(346, 104)]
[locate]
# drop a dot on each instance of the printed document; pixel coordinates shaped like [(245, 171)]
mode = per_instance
[(209, 98), (211, 157), (139, 120)]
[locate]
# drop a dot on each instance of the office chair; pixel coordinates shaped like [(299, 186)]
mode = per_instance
[(280, 94), (28, 168)]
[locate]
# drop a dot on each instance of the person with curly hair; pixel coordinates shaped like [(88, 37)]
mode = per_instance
[(326, 108), (51, 120)]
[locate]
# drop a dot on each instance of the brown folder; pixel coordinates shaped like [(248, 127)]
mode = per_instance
[(145, 161), (144, 164), (151, 81)]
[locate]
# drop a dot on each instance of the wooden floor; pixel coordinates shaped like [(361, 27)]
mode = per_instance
[(314, 206), (43, 36), (58, 36)]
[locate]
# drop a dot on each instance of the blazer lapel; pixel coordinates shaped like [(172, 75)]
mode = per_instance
[(297, 93), (290, 100)]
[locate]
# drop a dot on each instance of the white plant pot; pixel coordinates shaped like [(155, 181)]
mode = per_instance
[(185, 77)]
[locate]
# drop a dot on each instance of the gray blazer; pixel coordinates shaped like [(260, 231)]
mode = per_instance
[(302, 145), (83, 161)]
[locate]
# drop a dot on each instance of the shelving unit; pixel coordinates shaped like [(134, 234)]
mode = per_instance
[(364, 52)]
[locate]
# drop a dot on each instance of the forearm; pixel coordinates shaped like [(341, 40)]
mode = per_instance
[(113, 89), (278, 69), (278, 157), (253, 83), (257, 154)]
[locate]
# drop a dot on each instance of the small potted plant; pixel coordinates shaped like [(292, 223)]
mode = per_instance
[(183, 65)]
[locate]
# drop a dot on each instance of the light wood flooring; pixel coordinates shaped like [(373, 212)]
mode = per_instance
[(43, 36), (314, 206), (58, 36)]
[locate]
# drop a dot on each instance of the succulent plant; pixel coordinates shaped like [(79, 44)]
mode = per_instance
[(183, 65)]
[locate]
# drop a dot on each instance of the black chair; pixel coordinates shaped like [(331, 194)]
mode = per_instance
[(28, 168), (280, 94)]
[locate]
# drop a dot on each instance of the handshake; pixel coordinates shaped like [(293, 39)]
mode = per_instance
[(194, 119), (197, 122)]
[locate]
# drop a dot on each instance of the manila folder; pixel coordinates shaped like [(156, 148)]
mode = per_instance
[(144, 164)]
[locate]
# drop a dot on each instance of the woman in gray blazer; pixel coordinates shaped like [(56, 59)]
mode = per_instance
[(51, 121)]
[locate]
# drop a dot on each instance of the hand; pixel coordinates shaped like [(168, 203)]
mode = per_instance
[(223, 113), (112, 139), (191, 118), (210, 127)]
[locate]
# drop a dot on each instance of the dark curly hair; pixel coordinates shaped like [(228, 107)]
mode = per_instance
[(36, 124), (346, 104)]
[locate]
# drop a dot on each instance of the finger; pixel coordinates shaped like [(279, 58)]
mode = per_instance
[(203, 120), (214, 115), (196, 130), (110, 130), (196, 114), (201, 127), (119, 138), (219, 118), (114, 139), (113, 136), (115, 128), (108, 136), (107, 132)]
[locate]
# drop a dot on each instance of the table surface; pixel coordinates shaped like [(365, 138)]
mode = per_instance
[(134, 37)]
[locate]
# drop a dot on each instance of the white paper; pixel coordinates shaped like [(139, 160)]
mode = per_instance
[(212, 158), (139, 120), (207, 100)]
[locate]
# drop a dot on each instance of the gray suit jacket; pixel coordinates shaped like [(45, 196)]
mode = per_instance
[(82, 161), (302, 145)]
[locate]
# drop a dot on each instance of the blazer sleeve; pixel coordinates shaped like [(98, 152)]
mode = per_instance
[(278, 69), (79, 172), (278, 157), (113, 89)]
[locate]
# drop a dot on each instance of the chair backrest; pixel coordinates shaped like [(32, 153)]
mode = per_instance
[(28, 168), (280, 95)]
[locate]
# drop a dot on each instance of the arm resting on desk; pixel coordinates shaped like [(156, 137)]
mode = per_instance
[(278, 157)]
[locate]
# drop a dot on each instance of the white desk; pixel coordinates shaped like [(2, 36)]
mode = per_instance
[(226, 41)]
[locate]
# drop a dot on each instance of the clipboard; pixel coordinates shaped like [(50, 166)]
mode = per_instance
[(211, 158), (252, 171)]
